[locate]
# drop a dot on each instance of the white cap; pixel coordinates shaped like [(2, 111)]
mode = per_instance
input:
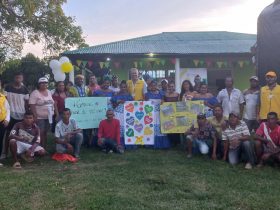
[(43, 79)]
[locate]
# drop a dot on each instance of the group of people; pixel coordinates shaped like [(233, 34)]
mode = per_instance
[(235, 125)]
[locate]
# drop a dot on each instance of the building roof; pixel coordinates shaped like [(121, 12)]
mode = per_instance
[(205, 42)]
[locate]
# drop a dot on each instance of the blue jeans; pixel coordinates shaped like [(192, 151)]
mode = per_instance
[(245, 148), (76, 141)]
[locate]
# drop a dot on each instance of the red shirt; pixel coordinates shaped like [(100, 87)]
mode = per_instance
[(274, 134), (109, 129)]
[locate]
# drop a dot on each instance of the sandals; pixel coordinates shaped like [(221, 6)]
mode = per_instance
[(17, 165), (26, 158)]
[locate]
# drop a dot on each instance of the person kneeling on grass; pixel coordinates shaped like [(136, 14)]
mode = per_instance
[(25, 140), (68, 137), (236, 139), (204, 137), (109, 134), (268, 139)]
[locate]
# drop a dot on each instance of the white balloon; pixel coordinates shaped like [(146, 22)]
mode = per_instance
[(59, 77), (64, 59), (55, 70), (54, 64)]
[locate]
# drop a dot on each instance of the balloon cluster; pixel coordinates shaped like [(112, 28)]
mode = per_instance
[(60, 67)]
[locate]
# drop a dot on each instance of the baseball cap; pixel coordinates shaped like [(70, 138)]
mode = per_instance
[(43, 80), (271, 74), (254, 78), (233, 114)]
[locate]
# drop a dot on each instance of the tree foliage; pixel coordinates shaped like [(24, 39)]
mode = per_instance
[(37, 21), (32, 68)]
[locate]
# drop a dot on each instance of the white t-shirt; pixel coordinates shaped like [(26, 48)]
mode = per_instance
[(230, 103), (251, 99), (16, 98), (62, 129)]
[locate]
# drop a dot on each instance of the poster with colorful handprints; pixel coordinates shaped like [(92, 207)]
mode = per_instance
[(138, 123), (177, 117)]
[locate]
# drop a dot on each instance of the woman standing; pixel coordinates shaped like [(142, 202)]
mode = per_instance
[(172, 96), (155, 96), (105, 90), (209, 100), (42, 105), (59, 96), (187, 91)]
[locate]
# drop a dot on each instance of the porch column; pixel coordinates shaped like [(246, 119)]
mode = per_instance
[(177, 75)]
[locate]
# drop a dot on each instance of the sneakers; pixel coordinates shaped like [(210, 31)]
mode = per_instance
[(248, 166)]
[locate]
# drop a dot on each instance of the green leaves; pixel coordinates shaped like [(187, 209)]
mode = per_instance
[(38, 21)]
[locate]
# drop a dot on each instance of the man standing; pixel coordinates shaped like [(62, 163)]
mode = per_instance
[(4, 118), (136, 87), (197, 83), (25, 140), (231, 99), (17, 96), (269, 96), (93, 86), (68, 136), (236, 139), (79, 89), (109, 133), (268, 139), (251, 97)]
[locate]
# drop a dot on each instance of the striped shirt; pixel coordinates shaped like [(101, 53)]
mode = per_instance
[(240, 130)]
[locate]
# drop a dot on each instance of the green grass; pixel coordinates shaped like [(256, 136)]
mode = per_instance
[(139, 179)]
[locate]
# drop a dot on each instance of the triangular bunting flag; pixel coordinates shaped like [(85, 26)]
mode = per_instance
[(152, 64), (107, 64), (173, 61), (101, 64), (117, 64), (241, 64), (90, 63), (84, 63), (196, 62), (141, 64), (220, 64), (78, 62), (247, 63), (201, 62), (135, 64), (162, 62), (209, 63), (158, 62), (225, 64)]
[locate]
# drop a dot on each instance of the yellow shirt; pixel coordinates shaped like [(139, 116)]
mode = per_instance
[(3, 109), (137, 90), (269, 101)]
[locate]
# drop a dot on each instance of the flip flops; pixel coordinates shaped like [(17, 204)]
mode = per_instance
[(17, 165), (26, 158)]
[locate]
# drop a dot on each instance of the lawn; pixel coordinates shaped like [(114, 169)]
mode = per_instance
[(138, 179)]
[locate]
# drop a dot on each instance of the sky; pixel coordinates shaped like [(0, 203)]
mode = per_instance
[(105, 21)]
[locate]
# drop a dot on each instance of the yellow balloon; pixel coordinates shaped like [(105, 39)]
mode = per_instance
[(66, 67)]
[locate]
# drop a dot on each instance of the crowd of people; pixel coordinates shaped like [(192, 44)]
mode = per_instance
[(237, 125)]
